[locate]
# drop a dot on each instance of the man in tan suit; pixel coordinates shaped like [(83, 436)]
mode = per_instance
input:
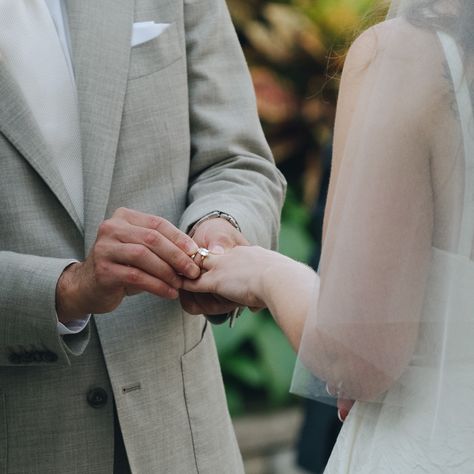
[(122, 124)]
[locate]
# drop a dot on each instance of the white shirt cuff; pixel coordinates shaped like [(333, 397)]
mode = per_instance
[(73, 327)]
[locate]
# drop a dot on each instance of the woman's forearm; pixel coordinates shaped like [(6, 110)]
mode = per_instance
[(289, 287)]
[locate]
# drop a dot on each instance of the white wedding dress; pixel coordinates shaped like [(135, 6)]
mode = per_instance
[(425, 424)]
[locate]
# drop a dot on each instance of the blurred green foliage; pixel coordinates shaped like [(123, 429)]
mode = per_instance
[(295, 50)]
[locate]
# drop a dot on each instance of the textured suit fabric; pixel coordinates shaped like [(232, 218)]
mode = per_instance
[(168, 128)]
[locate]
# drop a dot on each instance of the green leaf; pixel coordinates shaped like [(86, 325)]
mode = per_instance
[(228, 340), (294, 212), (277, 359), (235, 400), (245, 369), (295, 242)]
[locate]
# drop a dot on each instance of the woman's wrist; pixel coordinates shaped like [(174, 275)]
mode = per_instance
[(275, 277), (287, 290)]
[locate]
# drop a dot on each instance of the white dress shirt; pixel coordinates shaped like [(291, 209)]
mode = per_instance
[(56, 9)]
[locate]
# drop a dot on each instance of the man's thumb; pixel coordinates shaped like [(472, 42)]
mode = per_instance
[(216, 249)]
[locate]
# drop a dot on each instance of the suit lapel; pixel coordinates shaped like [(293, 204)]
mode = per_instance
[(101, 37), (19, 127)]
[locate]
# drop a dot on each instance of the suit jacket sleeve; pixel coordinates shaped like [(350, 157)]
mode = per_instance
[(232, 168), (28, 321)]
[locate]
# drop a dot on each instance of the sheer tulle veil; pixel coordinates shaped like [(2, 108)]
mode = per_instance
[(392, 321)]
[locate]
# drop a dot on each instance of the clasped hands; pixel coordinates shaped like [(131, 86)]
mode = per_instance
[(136, 252)]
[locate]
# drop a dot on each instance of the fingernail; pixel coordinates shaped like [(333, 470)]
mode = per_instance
[(216, 249), (172, 293), (342, 414), (193, 271), (191, 247)]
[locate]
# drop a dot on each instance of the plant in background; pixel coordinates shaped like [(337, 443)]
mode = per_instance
[(290, 45)]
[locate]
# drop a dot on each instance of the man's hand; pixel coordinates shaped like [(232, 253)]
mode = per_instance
[(134, 252), (217, 235)]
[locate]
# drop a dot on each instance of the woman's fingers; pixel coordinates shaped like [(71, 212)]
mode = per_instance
[(204, 284), (230, 275), (207, 262)]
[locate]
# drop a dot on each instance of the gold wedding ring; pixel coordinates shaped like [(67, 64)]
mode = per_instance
[(203, 253)]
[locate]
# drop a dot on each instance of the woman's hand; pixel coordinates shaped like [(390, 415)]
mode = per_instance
[(242, 275), (256, 277)]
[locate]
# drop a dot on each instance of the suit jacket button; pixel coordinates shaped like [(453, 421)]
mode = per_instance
[(97, 397)]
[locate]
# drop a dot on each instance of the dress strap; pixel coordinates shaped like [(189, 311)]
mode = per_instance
[(466, 118)]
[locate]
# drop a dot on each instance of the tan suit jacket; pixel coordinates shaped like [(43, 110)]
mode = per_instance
[(169, 128)]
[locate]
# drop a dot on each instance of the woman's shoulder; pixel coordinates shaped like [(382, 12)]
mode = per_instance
[(395, 39), (410, 56)]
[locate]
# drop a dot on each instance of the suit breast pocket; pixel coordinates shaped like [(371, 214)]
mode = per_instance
[(3, 435), (156, 54)]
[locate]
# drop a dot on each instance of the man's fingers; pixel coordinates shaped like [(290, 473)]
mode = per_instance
[(159, 224), (141, 257), (189, 303), (137, 280), (215, 305), (132, 292), (166, 249), (201, 285), (160, 245), (199, 303)]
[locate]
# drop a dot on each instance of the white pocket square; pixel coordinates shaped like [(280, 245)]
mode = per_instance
[(144, 31)]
